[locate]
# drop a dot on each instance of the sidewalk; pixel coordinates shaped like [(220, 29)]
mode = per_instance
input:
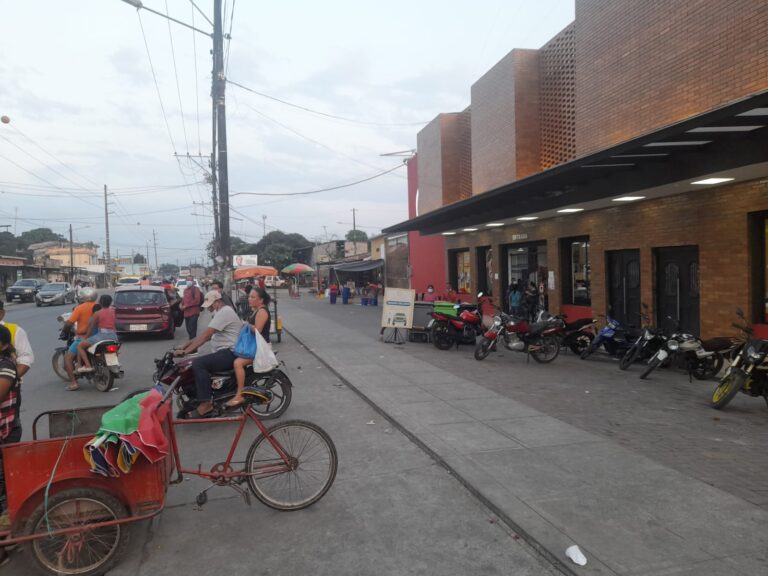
[(554, 482)]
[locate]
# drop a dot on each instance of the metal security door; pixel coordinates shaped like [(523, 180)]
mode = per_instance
[(624, 286), (677, 287)]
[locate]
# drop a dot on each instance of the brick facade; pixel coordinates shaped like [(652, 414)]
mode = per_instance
[(557, 88), (714, 220), (642, 65)]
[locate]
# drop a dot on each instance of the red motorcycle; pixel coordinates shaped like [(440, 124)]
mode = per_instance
[(538, 339), (447, 330)]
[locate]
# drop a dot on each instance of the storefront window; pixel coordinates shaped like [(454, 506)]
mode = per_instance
[(576, 283), (463, 271), (397, 261)]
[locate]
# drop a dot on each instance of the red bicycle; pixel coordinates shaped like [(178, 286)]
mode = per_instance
[(72, 521)]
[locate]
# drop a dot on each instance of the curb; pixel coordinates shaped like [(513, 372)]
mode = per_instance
[(534, 544)]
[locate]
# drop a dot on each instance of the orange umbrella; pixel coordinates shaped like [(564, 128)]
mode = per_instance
[(253, 271)]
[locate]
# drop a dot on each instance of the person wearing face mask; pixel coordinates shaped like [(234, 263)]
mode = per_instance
[(430, 296)]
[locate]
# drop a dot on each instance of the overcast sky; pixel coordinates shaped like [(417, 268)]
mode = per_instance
[(78, 87)]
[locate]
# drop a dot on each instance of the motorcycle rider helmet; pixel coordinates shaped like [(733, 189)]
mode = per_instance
[(88, 294)]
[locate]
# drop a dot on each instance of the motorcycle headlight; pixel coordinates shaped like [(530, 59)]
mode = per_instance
[(673, 344), (647, 335), (496, 321)]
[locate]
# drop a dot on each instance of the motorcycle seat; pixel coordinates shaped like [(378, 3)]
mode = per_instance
[(717, 344), (222, 374), (538, 328)]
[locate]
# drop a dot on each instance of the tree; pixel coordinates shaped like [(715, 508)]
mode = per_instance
[(8, 244), (278, 248), (169, 270), (357, 236), (237, 246), (139, 259), (40, 235)]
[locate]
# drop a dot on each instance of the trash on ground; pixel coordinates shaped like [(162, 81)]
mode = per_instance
[(370, 423), (576, 555)]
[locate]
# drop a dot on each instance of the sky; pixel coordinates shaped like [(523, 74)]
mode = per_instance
[(100, 94)]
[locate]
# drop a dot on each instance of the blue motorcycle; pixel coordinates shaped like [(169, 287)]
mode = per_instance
[(613, 337)]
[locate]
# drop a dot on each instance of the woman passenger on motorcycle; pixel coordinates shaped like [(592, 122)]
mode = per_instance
[(100, 327), (261, 321)]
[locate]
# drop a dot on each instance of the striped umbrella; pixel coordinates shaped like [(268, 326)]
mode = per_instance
[(297, 268)]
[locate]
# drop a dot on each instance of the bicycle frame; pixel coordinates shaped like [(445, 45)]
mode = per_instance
[(226, 474)]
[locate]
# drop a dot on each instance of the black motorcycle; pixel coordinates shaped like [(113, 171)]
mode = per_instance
[(748, 372), (648, 342)]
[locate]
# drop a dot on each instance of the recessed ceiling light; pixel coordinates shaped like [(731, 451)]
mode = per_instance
[(628, 198), (495, 224), (470, 229), (712, 181), (703, 129), (527, 218), (678, 143), (755, 112), (648, 155), (606, 165), (570, 210), (449, 233)]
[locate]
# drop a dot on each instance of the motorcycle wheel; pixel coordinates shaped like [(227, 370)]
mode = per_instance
[(652, 365), (708, 368), (482, 349), (281, 387), (629, 357), (103, 378), (727, 389), (58, 364), (441, 336), (581, 343), (548, 351), (587, 352)]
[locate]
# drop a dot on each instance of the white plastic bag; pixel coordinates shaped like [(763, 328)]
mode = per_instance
[(265, 359), (576, 555)]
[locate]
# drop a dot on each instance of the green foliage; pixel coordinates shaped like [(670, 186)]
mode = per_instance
[(168, 270), (357, 236), (139, 259), (8, 244), (40, 235)]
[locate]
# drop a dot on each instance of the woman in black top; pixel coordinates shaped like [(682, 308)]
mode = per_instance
[(261, 321), (10, 402)]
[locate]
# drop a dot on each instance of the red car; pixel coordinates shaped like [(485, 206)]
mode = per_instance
[(143, 310)]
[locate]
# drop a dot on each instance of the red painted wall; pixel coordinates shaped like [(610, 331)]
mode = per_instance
[(426, 253)]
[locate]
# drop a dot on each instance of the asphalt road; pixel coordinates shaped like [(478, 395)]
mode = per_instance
[(392, 510)]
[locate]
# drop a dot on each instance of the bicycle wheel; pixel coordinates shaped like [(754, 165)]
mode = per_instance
[(91, 552), (307, 477)]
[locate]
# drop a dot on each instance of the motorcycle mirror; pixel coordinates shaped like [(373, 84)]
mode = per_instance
[(479, 294), (739, 312)]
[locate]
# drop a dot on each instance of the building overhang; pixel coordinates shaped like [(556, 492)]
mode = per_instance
[(730, 143)]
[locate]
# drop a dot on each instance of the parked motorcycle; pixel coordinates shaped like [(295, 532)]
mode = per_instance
[(613, 337), (700, 359), (447, 331), (747, 372), (647, 343), (274, 385), (576, 335), (103, 356), (517, 335)]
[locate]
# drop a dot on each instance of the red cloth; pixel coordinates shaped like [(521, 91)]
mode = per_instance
[(150, 438), (191, 301)]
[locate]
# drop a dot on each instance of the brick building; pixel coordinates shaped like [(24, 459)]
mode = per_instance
[(625, 161)]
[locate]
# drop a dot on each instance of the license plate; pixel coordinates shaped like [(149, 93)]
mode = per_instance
[(17, 297), (111, 360), (138, 327), (662, 355)]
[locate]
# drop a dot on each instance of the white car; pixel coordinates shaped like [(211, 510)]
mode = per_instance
[(274, 281), (181, 285)]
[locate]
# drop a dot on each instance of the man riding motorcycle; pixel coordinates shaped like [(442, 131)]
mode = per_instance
[(81, 315), (222, 331)]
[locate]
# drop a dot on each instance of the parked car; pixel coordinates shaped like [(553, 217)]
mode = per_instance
[(181, 285), (143, 310), (274, 281), (24, 290), (55, 293)]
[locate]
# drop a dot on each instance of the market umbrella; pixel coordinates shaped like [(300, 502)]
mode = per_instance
[(297, 268), (253, 271)]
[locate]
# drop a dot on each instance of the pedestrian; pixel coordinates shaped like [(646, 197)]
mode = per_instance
[(101, 327), (20, 342), (262, 283), (144, 281), (80, 317), (219, 286), (190, 306), (531, 299), (515, 300), (430, 296), (10, 423), (260, 320)]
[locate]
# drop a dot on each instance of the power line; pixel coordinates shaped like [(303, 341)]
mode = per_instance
[(201, 12), (322, 189), (325, 114), (229, 37), (197, 88), (176, 76)]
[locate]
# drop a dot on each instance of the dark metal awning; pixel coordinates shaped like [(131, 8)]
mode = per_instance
[(363, 266), (731, 141)]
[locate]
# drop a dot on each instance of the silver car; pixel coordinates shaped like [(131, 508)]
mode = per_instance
[(55, 293)]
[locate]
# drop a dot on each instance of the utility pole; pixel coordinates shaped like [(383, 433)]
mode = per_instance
[(71, 258), (220, 119), (149, 268), (107, 263), (215, 198), (354, 231), (154, 241)]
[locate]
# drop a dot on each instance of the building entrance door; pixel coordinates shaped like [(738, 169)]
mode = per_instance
[(677, 287), (526, 264), (624, 286)]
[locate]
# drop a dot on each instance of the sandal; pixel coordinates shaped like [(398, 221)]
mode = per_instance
[(195, 415), (72, 387), (84, 370)]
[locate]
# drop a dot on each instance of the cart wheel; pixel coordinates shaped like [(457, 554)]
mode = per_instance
[(91, 552)]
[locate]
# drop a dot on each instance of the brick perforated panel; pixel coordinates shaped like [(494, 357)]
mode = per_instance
[(558, 99)]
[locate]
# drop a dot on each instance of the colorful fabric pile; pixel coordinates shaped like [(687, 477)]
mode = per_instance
[(131, 429)]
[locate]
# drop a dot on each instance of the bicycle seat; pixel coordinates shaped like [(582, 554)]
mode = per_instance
[(256, 394)]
